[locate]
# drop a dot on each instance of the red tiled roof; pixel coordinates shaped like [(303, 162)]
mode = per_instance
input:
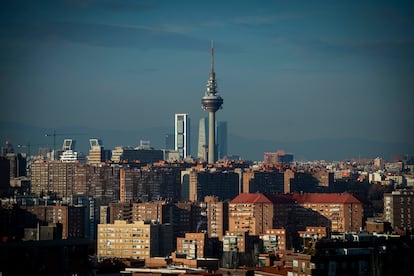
[(250, 198), (325, 198)]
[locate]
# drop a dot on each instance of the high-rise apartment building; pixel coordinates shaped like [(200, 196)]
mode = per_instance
[(64, 179), (149, 183), (195, 185), (182, 135), (72, 218), (399, 209), (217, 217), (344, 211), (263, 181), (221, 139), (133, 155), (251, 212), (202, 148), (17, 164), (57, 178)]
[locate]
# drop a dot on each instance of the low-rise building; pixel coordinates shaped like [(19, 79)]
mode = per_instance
[(135, 240)]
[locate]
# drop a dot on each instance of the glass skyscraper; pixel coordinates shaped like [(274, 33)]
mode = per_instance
[(182, 135), (221, 140), (202, 139)]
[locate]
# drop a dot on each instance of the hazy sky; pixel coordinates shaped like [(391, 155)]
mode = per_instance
[(287, 70)]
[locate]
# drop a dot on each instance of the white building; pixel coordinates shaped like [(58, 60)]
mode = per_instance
[(182, 134)]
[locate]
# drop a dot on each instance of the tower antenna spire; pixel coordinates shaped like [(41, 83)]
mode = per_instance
[(211, 102), (212, 59)]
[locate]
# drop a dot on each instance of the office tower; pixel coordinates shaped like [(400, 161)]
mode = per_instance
[(169, 141), (17, 164), (68, 144), (96, 151), (182, 134), (202, 139), (8, 148), (221, 139), (68, 153), (211, 102)]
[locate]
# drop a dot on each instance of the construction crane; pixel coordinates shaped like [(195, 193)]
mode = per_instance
[(28, 146), (54, 134)]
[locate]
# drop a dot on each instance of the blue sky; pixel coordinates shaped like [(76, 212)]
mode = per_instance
[(287, 70)]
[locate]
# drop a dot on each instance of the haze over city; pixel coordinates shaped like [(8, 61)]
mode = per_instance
[(321, 79)]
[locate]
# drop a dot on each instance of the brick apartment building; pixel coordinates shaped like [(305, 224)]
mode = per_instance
[(344, 211), (399, 209)]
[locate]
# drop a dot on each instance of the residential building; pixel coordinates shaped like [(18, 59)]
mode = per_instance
[(399, 209), (196, 184), (251, 212), (274, 240), (193, 245), (135, 240), (240, 249), (278, 158), (72, 218), (344, 211), (64, 179), (143, 154), (263, 181), (217, 217)]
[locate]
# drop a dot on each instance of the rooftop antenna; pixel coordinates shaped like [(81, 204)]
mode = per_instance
[(212, 60)]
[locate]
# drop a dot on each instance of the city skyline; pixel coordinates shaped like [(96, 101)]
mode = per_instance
[(290, 72)]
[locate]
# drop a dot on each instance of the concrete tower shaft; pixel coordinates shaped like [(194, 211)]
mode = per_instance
[(212, 102)]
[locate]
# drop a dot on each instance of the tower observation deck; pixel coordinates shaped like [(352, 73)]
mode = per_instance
[(212, 102)]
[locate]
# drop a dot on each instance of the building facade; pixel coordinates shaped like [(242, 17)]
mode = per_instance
[(344, 211), (182, 135), (250, 212), (221, 139), (202, 147), (196, 184), (217, 217), (399, 209), (136, 240)]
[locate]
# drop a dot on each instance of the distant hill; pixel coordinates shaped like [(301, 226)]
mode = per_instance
[(250, 149)]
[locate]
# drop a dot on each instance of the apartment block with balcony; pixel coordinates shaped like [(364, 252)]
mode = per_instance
[(133, 240), (250, 212), (399, 209), (344, 211), (217, 217)]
